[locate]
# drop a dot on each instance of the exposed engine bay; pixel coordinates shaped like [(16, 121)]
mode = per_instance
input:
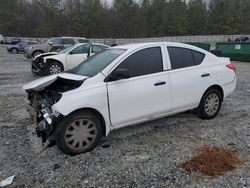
[(40, 103)]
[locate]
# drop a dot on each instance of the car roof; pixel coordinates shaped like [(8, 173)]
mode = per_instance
[(100, 44), (134, 46), (65, 37), (79, 44)]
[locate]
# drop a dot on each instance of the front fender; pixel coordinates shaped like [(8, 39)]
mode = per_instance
[(59, 58), (95, 98)]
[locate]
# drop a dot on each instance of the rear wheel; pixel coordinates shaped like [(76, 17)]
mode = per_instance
[(78, 133), (54, 68), (210, 104)]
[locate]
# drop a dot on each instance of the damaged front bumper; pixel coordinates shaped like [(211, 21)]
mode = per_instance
[(38, 66), (44, 121)]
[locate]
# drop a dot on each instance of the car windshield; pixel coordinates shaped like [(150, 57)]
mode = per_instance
[(66, 50), (96, 63)]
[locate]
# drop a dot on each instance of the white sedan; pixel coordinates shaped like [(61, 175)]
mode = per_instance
[(54, 63), (127, 85)]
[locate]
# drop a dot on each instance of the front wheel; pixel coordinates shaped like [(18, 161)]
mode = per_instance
[(78, 133), (54, 68), (210, 104), (14, 50)]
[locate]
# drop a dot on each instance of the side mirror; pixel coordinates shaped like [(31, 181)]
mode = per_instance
[(50, 43), (71, 53), (117, 74)]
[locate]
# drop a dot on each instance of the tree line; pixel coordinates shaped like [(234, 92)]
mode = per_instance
[(123, 18)]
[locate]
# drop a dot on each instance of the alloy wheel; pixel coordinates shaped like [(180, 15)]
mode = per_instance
[(55, 69)]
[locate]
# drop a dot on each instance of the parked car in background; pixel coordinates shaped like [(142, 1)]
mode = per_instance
[(47, 64), (242, 39), (53, 44), (15, 41), (127, 85), (1, 39), (20, 47)]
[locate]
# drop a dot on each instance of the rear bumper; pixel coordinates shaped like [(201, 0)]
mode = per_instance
[(229, 88)]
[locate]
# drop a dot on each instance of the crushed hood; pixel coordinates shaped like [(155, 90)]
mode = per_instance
[(42, 83), (46, 54)]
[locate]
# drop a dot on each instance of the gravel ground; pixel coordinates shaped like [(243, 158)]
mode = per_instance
[(146, 155)]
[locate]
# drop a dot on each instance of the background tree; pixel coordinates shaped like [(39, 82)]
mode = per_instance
[(123, 18)]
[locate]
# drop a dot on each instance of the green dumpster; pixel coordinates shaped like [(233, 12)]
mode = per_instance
[(235, 51), (204, 46)]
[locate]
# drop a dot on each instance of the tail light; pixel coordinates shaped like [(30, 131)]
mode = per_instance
[(232, 67)]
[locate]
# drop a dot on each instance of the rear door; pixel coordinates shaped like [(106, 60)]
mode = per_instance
[(189, 77), (145, 94), (77, 55)]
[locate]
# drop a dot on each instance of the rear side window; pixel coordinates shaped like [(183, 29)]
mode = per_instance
[(183, 57), (198, 57), (83, 41), (68, 41), (143, 62)]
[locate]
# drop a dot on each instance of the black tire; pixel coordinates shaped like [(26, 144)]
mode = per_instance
[(37, 52), (210, 104), (67, 139), (14, 51), (54, 68)]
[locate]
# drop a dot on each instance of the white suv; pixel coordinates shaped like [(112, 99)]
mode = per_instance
[(127, 85)]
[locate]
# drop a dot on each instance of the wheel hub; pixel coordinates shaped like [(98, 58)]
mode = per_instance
[(80, 134), (55, 69), (212, 104)]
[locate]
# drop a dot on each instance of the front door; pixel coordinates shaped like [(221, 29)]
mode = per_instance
[(145, 94)]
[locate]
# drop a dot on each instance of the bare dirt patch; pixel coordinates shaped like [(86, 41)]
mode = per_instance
[(213, 161)]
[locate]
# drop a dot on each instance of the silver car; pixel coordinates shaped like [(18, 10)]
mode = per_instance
[(53, 44)]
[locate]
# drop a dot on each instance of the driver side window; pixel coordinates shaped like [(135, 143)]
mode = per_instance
[(143, 62), (83, 49)]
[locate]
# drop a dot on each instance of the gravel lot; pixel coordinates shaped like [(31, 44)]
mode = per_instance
[(146, 155)]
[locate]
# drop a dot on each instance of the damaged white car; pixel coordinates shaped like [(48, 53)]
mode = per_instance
[(54, 63), (127, 85)]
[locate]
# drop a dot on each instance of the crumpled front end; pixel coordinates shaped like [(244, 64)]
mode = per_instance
[(39, 107), (38, 66), (41, 99)]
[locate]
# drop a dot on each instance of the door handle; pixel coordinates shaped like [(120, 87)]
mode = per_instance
[(205, 75), (160, 83)]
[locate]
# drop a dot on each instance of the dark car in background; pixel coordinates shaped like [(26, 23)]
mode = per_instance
[(242, 39), (17, 48)]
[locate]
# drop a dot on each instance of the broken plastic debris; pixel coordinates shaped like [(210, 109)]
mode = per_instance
[(7, 181)]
